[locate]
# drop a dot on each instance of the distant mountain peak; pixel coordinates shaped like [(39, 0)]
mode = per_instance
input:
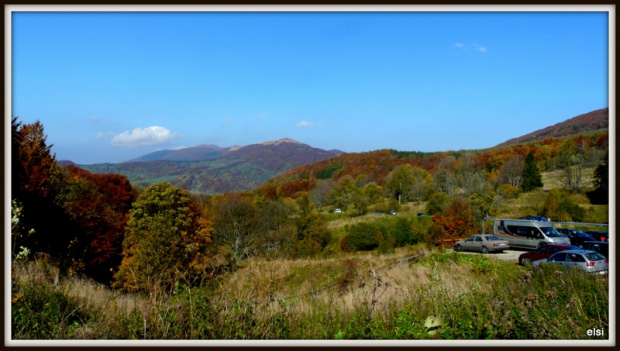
[(280, 141)]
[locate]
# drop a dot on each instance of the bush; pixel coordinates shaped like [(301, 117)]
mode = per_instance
[(561, 208), (362, 237)]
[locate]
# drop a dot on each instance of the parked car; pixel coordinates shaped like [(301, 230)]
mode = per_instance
[(484, 243), (543, 252), (598, 246), (420, 214), (586, 260), (535, 218), (393, 213), (337, 210), (576, 236), (598, 235)]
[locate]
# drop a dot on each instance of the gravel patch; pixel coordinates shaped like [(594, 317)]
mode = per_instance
[(508, 255)]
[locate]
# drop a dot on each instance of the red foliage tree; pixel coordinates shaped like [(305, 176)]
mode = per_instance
[(99, 206), (458, 220)]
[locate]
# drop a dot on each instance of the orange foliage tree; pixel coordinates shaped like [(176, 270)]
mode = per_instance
[(457, 221)]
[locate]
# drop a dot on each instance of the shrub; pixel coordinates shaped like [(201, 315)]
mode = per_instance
[(560, 207), (362, 237)]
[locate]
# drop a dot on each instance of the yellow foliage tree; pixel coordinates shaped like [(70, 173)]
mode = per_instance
[(167, 241)]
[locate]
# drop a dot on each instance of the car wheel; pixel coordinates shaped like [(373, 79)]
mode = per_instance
[(458, 248), (485, 250), (526, 262)]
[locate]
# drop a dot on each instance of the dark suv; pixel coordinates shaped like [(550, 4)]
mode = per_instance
[(577, 237), (598, 235)]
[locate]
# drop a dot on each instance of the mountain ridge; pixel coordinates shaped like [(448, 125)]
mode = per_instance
[(211, 169), (583, 123)]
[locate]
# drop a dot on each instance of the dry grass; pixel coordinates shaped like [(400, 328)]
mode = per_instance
[(93, 295), (305, 284), (555, 179)]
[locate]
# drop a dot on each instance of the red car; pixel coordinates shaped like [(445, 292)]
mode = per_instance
[(542, 252)]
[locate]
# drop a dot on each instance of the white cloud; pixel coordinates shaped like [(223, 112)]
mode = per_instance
[(480, 48), (304, 124), (154, 135), (467, 48), (99, 120)]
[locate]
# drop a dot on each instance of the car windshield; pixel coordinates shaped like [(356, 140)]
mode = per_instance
[(595, 256), (550, 232)]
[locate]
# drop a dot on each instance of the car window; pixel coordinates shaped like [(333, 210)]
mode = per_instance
[(595, 256), (560, 256), (553, 249), (478, 238), (541, 250), (493, 238), (575, 258)]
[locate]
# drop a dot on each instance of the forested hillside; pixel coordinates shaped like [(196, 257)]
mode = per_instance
[(454, 171), (208, 169), (582, 124)]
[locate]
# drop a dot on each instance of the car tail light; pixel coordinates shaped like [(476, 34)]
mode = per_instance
[(591, 264), (495, 245), (605, 261)]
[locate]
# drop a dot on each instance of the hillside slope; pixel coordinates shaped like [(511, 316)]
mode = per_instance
[(209, 169), (585, 123)]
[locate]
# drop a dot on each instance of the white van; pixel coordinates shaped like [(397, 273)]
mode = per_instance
[(527, 234)]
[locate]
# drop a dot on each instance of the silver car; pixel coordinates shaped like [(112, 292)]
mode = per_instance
[(586, 260), (484, 243)]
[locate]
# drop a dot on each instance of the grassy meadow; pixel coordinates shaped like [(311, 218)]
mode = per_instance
[(435, 295), (411, 293)]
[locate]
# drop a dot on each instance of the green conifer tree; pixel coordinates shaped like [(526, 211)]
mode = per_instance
[(531, 177)]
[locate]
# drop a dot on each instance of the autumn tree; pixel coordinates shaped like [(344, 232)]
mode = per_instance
[(600, 180), (484, 205), (347, 195), (235, 224), (98, 206), (36, 182), (321, 190), (511, 172), (474, 182), (312, 234), (399, 183), (531, 177), (437, 203), (167, 241), (275, 232), (572, 162), (372, 191), (559, 207), (458, 219), (444, 181)]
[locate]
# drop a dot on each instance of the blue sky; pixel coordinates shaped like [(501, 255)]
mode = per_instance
[(112, 86)]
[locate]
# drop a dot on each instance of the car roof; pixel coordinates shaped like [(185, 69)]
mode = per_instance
[(582, 251), (596, 242), (559, 245)]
